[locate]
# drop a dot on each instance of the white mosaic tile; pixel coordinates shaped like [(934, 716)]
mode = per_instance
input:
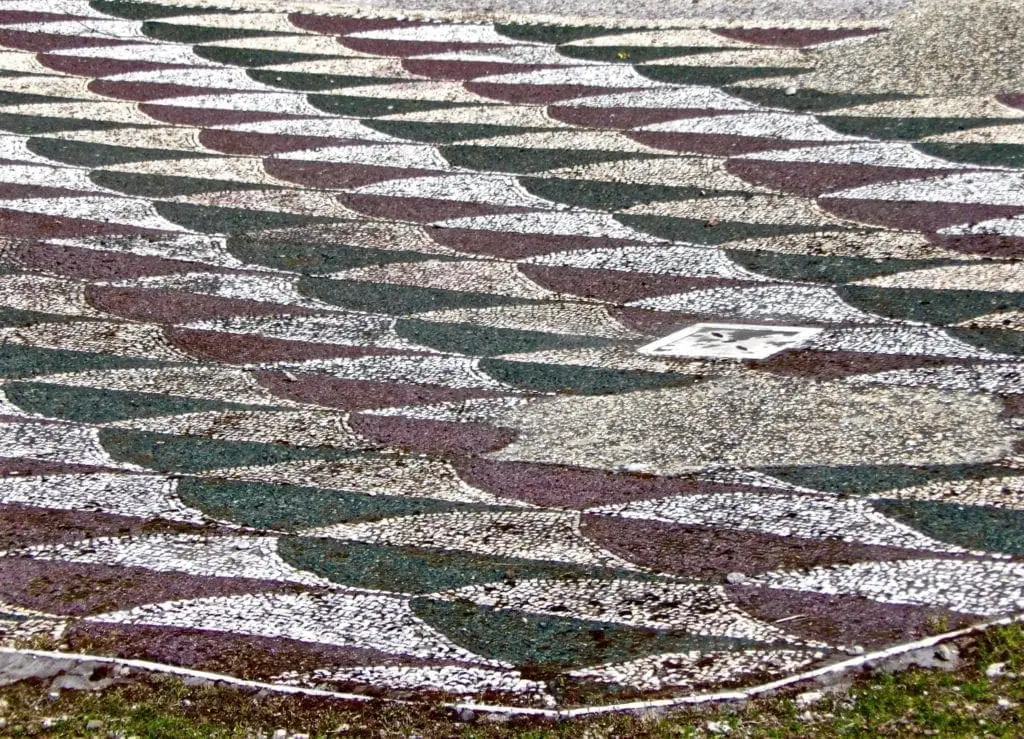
[(471, 410), (343, 328), (773, 125), (252, 557), (403, 156), (538, 535), (624, 358), (784, 302), (588, 75), (339, 128), (401, 475), (49, 176), (454, 33), (208, 382), (499, 278), (200, 248), (874, 154), (995, 226), (555, 224), (767, 209), (144, 51), (910, 340), (281, 289), (990, 188), (364, 620), (124, 211), (994, 277), (574, 319), (567, 139), (101, 337), (227, 78), (699, 609), (281, 103), (695, 668), (784, 515), (683, 261), (46, 295), (102, 28), (993, 492), (111, 112), (676, 96), (983, 588), (141, 496), (491, 189), (1004, 378), (306, 428), (57, 442), (444, 371)]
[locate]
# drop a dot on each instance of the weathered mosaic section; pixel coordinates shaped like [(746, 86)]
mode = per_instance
[(329, 351)]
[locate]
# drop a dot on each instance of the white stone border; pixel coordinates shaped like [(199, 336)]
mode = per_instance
[(633, 706)]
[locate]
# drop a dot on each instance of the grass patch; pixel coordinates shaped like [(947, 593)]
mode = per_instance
[(966, 702)]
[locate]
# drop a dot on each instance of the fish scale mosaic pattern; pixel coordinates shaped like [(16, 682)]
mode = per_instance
[(318, 352)]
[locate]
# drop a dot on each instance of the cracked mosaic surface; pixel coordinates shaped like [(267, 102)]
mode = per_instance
[(320, 345)]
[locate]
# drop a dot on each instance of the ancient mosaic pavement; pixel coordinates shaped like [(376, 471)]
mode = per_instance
[(320, 352)]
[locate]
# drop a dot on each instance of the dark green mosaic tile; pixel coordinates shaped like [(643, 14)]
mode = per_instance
[(578, 380), (805, 100), (549, 642), (443, 133), (701, 232), (313, 258), (255, 57), (554, 34), (8, 97), (181, 34), (414, 570), (463, 338), (309, 82), (972, 527), (806, 268), (211, 219), (715, 76), (166, 186), (291, 508), (89, 154), (25, 361), (601, 195), (185, 454), (985, 155), (365, 107), (634, 54), (905, 128), (137, 10), (523, 160), (90, 405), (377, 297), (938, 307), (867, 479), (1000, 341), (32, 125)]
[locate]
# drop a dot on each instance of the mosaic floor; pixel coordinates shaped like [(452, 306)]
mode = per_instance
[(321, 351)]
